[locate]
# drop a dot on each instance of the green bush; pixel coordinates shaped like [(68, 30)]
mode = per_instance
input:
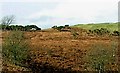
[(102, 31), (60, 27), (116, 33), (54, 27), (15, 49)]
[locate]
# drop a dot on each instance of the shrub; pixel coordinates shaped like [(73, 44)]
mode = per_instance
[(100, 55), (116, 33), (54, 27), (15, 49), (60, 27), (75, 34), (102, 31), (29, 27), (66, 25)]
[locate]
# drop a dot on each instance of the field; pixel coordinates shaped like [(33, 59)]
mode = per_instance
[(68, 51), (109, 26)]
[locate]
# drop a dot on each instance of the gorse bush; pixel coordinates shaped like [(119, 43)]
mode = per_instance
[(59, 28), (15, 49), (116, 33), (102, 31)]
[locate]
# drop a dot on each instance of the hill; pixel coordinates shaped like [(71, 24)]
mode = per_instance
[(109, 26)]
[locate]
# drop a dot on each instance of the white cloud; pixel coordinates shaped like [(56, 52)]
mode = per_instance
[(80, 11), (74, 11)]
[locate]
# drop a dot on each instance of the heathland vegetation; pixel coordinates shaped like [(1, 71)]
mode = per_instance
[(60, 49)]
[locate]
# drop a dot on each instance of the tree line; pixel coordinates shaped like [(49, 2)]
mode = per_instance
[(7, 20), (19, 27)]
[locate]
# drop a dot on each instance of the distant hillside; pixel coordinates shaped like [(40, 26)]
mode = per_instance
[(109, 26)]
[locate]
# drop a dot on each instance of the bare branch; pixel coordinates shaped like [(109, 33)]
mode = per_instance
[(7, 20)]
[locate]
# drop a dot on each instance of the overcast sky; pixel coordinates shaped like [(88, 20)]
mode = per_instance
[(46, 13)]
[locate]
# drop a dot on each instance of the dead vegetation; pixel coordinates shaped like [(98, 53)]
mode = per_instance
[(55, 51)]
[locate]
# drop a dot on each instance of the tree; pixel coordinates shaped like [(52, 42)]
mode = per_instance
[(7, 20), (30, 27)]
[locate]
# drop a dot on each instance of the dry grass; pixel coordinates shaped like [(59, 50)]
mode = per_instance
[(61, 50)]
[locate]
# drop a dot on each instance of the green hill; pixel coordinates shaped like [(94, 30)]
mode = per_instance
[(109, 26)]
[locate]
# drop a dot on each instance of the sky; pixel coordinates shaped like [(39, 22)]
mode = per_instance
[(47, 13)]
